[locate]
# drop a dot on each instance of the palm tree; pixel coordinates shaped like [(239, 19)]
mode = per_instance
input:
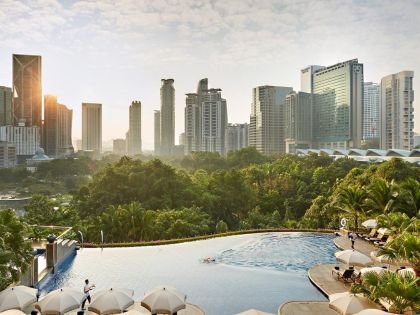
[(383, 196), (405, 247), (401, 291), (397, 222), (351, 200), (410, 193)]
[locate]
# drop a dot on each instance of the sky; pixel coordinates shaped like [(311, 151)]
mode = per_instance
[(114, 52)]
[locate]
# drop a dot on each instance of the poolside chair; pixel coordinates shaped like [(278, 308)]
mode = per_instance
[(346, 276), (371, 234), (384, 243), (381, 237)]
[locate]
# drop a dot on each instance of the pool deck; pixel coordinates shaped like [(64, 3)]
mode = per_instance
[(320, 276), (306, 308)]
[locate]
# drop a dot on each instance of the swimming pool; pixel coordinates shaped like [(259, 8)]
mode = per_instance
[(251, 271)]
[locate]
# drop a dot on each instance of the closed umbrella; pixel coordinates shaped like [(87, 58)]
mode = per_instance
[(349, 304), (112, 301), (12, 312), (18, 297), (370, 224), (60, 301), (253, 312), (164, 300), (354, 258)]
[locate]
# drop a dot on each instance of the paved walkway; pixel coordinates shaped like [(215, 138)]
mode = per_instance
[(306, 308), (343, 242), (321, 277)]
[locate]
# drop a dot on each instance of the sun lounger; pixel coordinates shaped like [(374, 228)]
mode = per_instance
[(346, 276), (371, 234), (384, 243)]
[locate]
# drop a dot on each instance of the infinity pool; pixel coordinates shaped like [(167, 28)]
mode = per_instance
[(251, 271)]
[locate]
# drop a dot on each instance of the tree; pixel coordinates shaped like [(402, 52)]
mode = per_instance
[(351, 200), (15, 252), (383, 196), (401, 291)]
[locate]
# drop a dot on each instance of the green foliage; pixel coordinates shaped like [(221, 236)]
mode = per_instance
[(221, 227), (15, 252), (401, 291)]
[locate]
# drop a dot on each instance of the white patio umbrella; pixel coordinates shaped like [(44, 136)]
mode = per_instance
[(384, 231), (370, 224), (12, 312), (60, 301), (111, 301), (254, 312), (371, 311), (164, 300), (376, 269), (353, 257), (348, 304), (17, 297)]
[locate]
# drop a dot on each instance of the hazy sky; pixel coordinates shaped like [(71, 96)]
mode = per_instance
[(114, 52)]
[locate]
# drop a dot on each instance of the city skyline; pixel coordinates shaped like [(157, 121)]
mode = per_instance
[(233, 47)]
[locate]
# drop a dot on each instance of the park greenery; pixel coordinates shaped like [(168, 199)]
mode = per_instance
[(141, 200)]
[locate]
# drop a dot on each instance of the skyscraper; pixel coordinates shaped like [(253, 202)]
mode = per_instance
[(306, 78), (92, 127), (236, 137), (338, 107), (57, 127), (157, 132), (119, 146), (213, 122), (298, 121), (371, 114), (192, 123), (396, 111), (134, 137), (167, 116), (27, 85), (266, 128), (6, 109)]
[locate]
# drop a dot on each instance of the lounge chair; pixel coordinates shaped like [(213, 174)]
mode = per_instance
[(379, 238), (384, 243), (371, 234), (346, 276)]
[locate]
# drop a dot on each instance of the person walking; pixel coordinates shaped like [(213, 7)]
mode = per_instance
[(353, 237), (86, 291)]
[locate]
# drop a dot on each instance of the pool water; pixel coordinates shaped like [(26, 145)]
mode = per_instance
[(250, 271)]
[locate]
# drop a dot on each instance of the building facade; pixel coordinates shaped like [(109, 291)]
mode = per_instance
[(26, 139), (7, 154), (157, 132), (371, 114), (92, 127), (119, 146), (396, 111), (213, 122), (236, 137), (266, 128), (298, 121), (167, 116), (338, 106), (6, 107), (27, 87), (57, 128), (192, 123), (134, 137), (306, 78)]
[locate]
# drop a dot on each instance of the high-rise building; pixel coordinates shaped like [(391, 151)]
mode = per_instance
[(6, 108), (396, 111), (92, 127), (298, 121), (7, 154), (57, 128), (306, 78), (371, 114), (213, 122), (266, 128), (167, 116), (119, 146), (236, 137), (181, 138), (157, 132), (26, 139), (134, 132), (338, 106), (27, 87), (78, 145)]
